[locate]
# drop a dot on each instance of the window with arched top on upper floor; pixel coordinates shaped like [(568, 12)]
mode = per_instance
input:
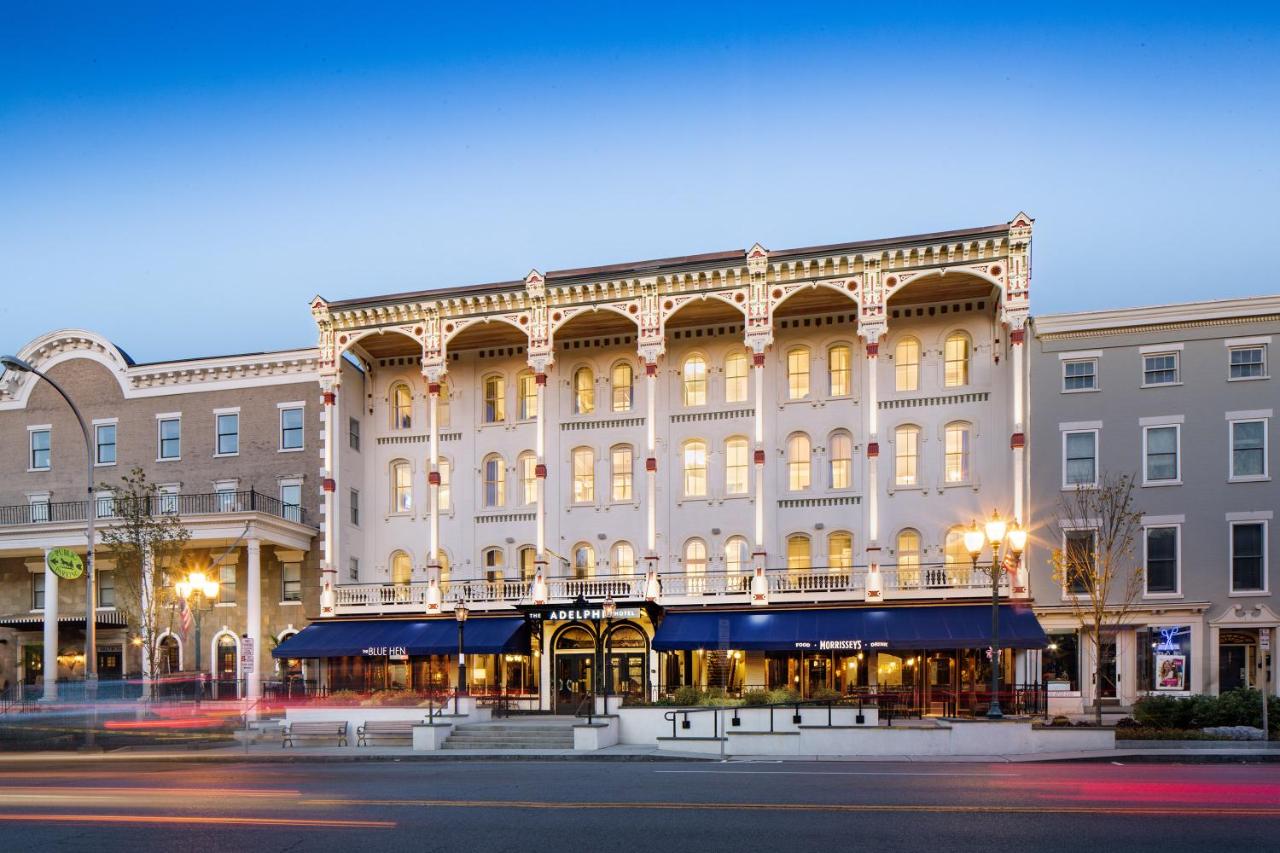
[(443, 559), (624, 558), (622, 386), (445, 492), (694, 458), (840, 550), (583, 462), (401, 486), (840, 459), (839, 370), (955, 359), (797, 373), (799, 553), (955, 555), (737, 555), (908, 556), (584, 561), (526, 395), (695, 557), (956, 442), (620, 473), (401, 568), (401, 406), (906, 365), (736, 465), (494, 474), (494, 561), (584, 391), (495, 398), (906, 455), (736, 384), (799, 464), (693, 380), (442, 405), (527, 471), (527, 558)]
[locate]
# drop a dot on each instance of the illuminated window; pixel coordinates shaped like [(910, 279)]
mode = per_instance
[(908, 552), (622, 380), (735, 378), (906, 365), (957, 453), (906, 446), (442, 405), (840, 550), (527, 467), (737, 556), (527, 395), (401, 487), (584, 475), (840, 452), (584, 391), (695, 468), (695, 557), (401, 568), (798, 463), (401, 406), (620, 473), (494, 562), (956, 360), (443, 559), (528, 558), (693, 376), (797, 373), (624, 559), (495, 481), (735, 466), (584, 561), (444, 492), (955, 556), (840, 371), (495, 399), (799, 553)]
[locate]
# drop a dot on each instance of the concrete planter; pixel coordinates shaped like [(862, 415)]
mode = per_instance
[(431, 738), (589, 737)]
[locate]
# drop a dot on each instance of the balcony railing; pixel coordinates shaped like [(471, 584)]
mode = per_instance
[(107, 508), (818, 584)]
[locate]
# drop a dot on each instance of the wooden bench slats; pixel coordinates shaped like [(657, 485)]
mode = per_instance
[(384, 729), (307, 728)]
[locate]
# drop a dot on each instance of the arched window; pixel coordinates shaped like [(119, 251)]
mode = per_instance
[(693, 374), (584, 475), (840, 455), (624, 559), (622, 380), (495, 399), (401, 406), (906, 450), (908, 553), (528, 558), (575, 638), (495, 481), (526, 395), (798, 468), (956, 441), (797, 373), (494, 562), (840, 550), (527, 467), (443, 559), (955, 360), (799, 553), (956, 556), (737, 556), (735, 466), (401, 487), (735, 377), (445, 492), (620, 473), (442, 404), (695, 468), (401, 568), (584, 561), (695, 557), (170, 655), (839, 370), (906, 365), (584, 391)]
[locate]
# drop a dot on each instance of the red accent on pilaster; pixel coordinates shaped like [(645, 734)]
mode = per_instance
[(433, 478), (539, 471), (873, 350), (651, 464), (330, 398), (433, 388), (650, 368), (1017, 336), (759, 457), (757, 359), (540, 379), (1018, 441), (329, 485), (873, 449)]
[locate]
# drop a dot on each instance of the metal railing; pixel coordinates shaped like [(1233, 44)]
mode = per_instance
[(107, 508)]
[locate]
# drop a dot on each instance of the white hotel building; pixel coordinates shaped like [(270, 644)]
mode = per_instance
[(765, 458)]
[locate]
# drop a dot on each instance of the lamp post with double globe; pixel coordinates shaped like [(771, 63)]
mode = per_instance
[(999, 535)]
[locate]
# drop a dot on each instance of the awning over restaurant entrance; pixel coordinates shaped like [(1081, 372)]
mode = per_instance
[(408, 637), (850, 628)]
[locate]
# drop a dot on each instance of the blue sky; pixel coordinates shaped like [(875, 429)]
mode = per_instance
[(186, 182)]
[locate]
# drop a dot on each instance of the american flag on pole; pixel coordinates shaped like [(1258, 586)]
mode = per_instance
[(184, 613)]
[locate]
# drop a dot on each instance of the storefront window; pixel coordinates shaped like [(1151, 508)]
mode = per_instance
[(1164, 658), (1061, 663)]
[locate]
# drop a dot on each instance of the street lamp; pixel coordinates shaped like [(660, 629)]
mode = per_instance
[(609, 609), (999, 535), (460, 613), (12, 362), (198, 589)]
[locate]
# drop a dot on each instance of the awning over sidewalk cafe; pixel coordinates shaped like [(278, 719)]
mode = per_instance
[(850, 629), (377, 638)]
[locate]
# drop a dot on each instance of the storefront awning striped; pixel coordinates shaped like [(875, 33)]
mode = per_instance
[(371, 637), (850, 628)]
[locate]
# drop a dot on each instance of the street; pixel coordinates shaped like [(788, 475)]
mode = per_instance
[(95, 805)]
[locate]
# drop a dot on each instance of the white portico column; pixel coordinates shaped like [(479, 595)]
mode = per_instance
[(540, 471), (873, 447), (254, 617), (50, 632), (433, 480), (759, 552), (1018, 441), (329, 566), (651, 467)]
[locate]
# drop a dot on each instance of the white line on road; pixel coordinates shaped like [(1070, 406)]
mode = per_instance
[(830, 773)]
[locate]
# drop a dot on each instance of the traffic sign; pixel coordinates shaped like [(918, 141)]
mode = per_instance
[(1264, 639), (248, 660)]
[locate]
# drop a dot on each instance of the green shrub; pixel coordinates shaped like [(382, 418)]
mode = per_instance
[(687, 695), (1233, 708), (825, 694), (782, 695), (755, 696)]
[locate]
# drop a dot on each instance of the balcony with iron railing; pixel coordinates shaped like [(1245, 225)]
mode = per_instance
[(786, 586), (108, 508)]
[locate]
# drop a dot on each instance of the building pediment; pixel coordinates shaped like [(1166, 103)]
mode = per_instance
[(1244, 614)]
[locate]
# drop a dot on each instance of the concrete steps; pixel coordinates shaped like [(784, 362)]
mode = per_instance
[(541, 735)]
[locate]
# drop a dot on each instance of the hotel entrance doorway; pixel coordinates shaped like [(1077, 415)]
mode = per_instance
[(575, 658)]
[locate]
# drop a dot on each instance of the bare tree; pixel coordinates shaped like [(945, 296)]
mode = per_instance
[(145, 539), (1098, 564)]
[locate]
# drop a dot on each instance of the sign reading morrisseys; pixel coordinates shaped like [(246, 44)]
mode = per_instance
[(838, 645), (65, 563)]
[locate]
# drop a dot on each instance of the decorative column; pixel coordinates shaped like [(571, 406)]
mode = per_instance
[(329, 564), (759, 336), (651, 470), (434, 374), (871, 327), (540, 467), (253, 630), (1018, 440), (541, 357), (51, 631), (1015, 305)]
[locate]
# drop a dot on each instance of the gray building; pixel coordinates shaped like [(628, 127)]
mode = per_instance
[(1181, 397)]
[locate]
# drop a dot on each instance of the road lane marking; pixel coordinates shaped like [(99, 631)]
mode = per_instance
[(843, 773), (201, 793), (1163, 811), (203, 820)]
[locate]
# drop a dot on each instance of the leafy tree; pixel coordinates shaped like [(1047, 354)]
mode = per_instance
[(1099, 566)]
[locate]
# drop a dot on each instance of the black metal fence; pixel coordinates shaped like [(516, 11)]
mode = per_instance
[(107, 508)]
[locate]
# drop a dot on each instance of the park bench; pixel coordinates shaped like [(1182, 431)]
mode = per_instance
[(378, 729), (325, 728)]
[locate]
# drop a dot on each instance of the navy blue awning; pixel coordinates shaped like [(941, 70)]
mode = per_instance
[(414, 637), (851, 628)]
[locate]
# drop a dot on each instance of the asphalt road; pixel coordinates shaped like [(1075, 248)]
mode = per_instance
[(567, 806)]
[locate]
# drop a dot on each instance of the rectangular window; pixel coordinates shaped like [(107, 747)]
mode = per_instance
[(735, 466), (1164, 659), (40, 456), (105, 441), (584, 476), (39, 509), (797, 373), (527, 394), (1249, 362), (1248, 449), (106, 589), (1080, 375), (291, 582), (37, 590), (226, 496), (168, 499), (170, 438), (291, 428), (1080, 458), (735, 378), (957, 453), (354, 503), (1160, 368), (353, 569), (1162, 561), (106, 504), (840, 371), (1161, 454), (291, 501), (353, 434), (495, 400), (1248, 556), (228, 443), (1060, 663), (1080, 556), (227, 584), (443, 493), (621, 473)]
